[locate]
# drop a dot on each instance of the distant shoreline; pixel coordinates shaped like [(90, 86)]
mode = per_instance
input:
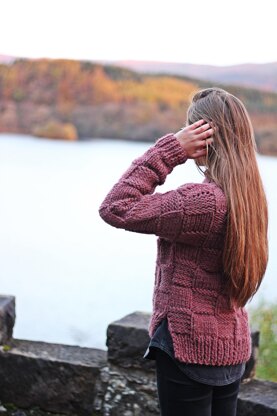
[(123, 139)]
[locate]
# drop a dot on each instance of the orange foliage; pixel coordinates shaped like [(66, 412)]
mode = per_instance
[(56, 130), (169, 91)]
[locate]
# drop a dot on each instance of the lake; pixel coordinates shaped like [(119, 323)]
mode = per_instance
[(69, 270)]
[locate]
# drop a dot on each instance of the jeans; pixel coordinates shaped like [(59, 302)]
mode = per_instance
[(181, 396)]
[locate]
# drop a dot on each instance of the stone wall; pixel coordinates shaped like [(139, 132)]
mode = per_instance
[(39, 377)]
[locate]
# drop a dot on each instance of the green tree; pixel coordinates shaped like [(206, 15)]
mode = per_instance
[(264, 318)]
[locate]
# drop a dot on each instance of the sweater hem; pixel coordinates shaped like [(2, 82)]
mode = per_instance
[(204, 350), (211, 351)]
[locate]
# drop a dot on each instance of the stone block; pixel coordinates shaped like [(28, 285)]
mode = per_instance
[(127, 340), (7, 318), (53, 377), (250, 367), (257, 398)]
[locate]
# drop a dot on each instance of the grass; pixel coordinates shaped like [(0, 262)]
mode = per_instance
[(263, 318)]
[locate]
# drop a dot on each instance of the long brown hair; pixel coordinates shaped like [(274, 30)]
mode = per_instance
[(231, 163)]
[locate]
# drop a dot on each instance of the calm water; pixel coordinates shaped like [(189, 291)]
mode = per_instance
[(71, 273)]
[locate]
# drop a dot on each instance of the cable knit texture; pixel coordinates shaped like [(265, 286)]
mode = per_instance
[(190, 223)]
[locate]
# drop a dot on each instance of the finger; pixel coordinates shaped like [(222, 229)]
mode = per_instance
[(201, 128), (197, 124), (205, 134), (200, 144), (200, 153)]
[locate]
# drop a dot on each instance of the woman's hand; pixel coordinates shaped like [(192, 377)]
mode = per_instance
[(194, 138)]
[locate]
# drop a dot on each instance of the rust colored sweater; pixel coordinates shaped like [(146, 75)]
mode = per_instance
[(190, 223)]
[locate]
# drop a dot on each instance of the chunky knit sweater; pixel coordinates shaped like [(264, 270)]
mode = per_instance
[(190, 223)]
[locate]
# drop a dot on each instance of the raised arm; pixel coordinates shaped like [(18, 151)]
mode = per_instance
[(131, 203)]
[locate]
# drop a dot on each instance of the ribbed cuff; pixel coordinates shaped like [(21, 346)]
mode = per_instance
[(171, 150)]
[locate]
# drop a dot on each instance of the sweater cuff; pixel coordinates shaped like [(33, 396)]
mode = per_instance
[(171, 150)]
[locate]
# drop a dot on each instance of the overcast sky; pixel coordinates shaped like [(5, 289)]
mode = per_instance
[(214, 32)]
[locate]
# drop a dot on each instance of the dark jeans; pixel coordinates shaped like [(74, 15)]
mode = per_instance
[(181, 396)]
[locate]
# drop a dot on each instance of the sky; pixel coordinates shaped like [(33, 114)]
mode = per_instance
[(215, 32)]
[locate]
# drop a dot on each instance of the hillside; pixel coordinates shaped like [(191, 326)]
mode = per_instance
[(81, 99), (261, 76)]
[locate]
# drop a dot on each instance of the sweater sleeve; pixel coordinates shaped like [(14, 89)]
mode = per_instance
[(131, 203)]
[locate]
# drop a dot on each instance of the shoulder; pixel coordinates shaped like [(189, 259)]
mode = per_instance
[(203, 196)]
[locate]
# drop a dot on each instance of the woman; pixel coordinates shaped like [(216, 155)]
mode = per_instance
[(212, 252)]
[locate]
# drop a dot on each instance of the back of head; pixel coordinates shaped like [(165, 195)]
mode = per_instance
[(231, 163)]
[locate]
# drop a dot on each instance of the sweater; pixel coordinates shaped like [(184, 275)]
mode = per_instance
[(213, 375), (190, 223)]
